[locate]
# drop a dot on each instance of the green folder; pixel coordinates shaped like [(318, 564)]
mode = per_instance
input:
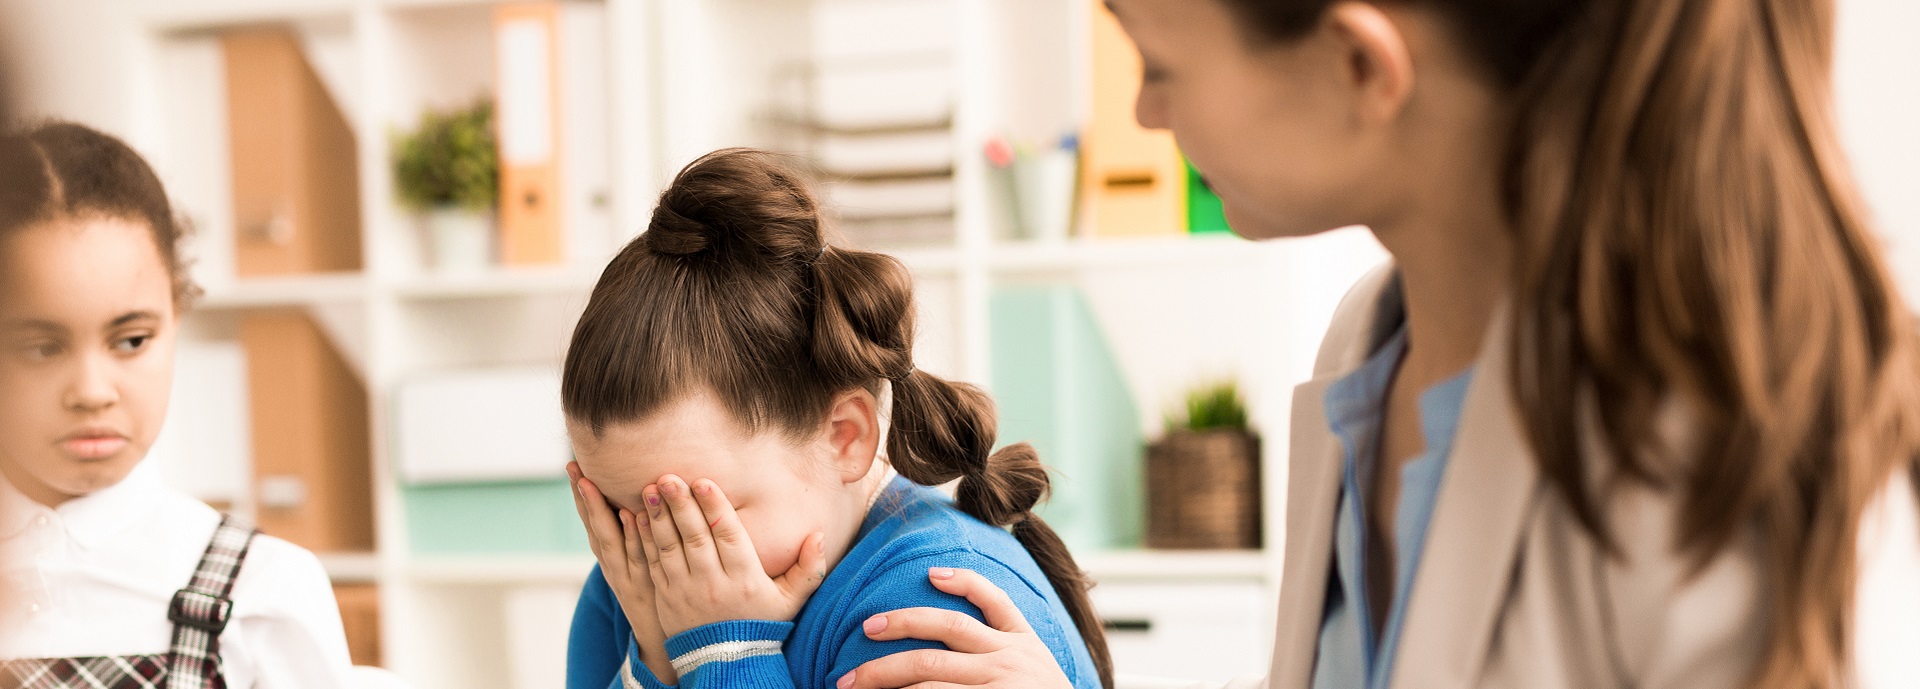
[(1058, 386), (531, 517), (1204, 212)]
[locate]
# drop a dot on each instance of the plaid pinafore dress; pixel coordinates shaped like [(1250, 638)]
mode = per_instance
[(199, 613)]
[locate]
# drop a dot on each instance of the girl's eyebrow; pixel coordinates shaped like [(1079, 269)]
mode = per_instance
[(133, 316)]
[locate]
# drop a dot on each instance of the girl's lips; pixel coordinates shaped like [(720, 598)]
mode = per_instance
[(94, 446)]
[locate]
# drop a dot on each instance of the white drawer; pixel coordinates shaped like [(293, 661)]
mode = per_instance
[(1211, 631)]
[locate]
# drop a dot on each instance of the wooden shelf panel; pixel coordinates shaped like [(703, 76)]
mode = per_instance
[(351, 568), (1179, 565), (499, 570), (208, 14), (1128, 565), (1080, 254), (499, 282), (291, 290)]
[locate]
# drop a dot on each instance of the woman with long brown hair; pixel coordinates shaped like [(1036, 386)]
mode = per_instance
[(1635, 405)]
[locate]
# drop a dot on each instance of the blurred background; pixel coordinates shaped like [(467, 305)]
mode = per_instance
[(400, 206)]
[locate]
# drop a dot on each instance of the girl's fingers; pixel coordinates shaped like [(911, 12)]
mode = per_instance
[(696, 537), (805, 576), (579, 503), (602, 526), (672, 556), (917, 667), (650, 551), (729, 536), (630, 529), (959, 631), (999, 610)]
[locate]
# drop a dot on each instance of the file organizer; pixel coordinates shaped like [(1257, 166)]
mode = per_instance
[(1134, 179), (481, 461), (551, 100), (360, 618), (1058, 386), (296, 189), (313, 477), (519, 517)]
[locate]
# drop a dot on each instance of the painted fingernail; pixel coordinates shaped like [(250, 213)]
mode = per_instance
[(941, 573), (653, 499), (846, 681), (875, 624)]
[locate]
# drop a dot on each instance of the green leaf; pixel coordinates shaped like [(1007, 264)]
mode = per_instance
[(1214, 406), (450, 160)]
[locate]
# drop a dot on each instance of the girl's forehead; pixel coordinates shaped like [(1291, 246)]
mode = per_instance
[(81, 271), (688, 439)]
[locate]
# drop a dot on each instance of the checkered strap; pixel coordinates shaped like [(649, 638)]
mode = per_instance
[(122, 672), (200, 611)]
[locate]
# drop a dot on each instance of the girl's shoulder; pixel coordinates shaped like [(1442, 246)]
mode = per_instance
[(921, 529), (911, 522)]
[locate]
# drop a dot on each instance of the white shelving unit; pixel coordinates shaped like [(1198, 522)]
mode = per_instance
[(685, 77)]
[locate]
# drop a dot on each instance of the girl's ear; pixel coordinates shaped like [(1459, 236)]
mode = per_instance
[(853, 434), (1378, 63)]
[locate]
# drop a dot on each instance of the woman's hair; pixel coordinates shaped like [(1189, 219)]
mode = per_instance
[(733, 289), (66, 171), (1688, 233)]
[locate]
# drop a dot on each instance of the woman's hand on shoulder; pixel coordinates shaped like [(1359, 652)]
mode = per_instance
[(703, 566), (625, 569), (1005, 655)]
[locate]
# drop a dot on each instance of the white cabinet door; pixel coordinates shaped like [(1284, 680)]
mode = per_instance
[(1212, 631)]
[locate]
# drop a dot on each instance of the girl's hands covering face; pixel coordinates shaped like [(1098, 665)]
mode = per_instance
[(625, 568), (702, 565)]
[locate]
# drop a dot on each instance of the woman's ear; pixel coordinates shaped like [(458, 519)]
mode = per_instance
[(853, 434), (1378, 63)]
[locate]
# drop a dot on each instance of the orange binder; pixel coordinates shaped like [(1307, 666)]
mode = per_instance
[(296, 189), (1135, 182), (313, 477), (360, 615), (527, 79)]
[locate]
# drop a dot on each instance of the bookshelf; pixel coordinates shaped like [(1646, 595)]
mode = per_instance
[(685, 77)]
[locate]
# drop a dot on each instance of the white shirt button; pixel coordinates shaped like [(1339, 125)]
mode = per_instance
[(40, 520)]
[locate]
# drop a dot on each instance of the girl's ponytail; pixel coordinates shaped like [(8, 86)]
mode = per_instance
[(943, 431)]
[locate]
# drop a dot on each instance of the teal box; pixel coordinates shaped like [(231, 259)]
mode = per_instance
[(515, 517), (1058, 386)]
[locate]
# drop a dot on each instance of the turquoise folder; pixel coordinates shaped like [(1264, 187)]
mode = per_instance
[(1059, 387), (518, 517)]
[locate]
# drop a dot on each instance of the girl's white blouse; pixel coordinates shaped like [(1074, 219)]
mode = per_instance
[(93, 577)]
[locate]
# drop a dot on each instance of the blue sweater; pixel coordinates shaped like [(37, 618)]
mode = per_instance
[(911, 528)]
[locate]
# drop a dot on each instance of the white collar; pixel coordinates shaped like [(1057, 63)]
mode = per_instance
[(89, 520)]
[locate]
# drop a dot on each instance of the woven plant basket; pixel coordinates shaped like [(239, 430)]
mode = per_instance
[(1203, 490)]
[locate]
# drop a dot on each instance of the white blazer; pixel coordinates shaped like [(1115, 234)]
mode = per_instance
[(1511, 593)]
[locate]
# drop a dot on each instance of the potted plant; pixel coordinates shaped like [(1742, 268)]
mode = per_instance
[(1203, 477), (448, 171)]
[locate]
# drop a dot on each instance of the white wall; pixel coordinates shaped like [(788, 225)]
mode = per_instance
[(70, 66), (1877, 85)]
